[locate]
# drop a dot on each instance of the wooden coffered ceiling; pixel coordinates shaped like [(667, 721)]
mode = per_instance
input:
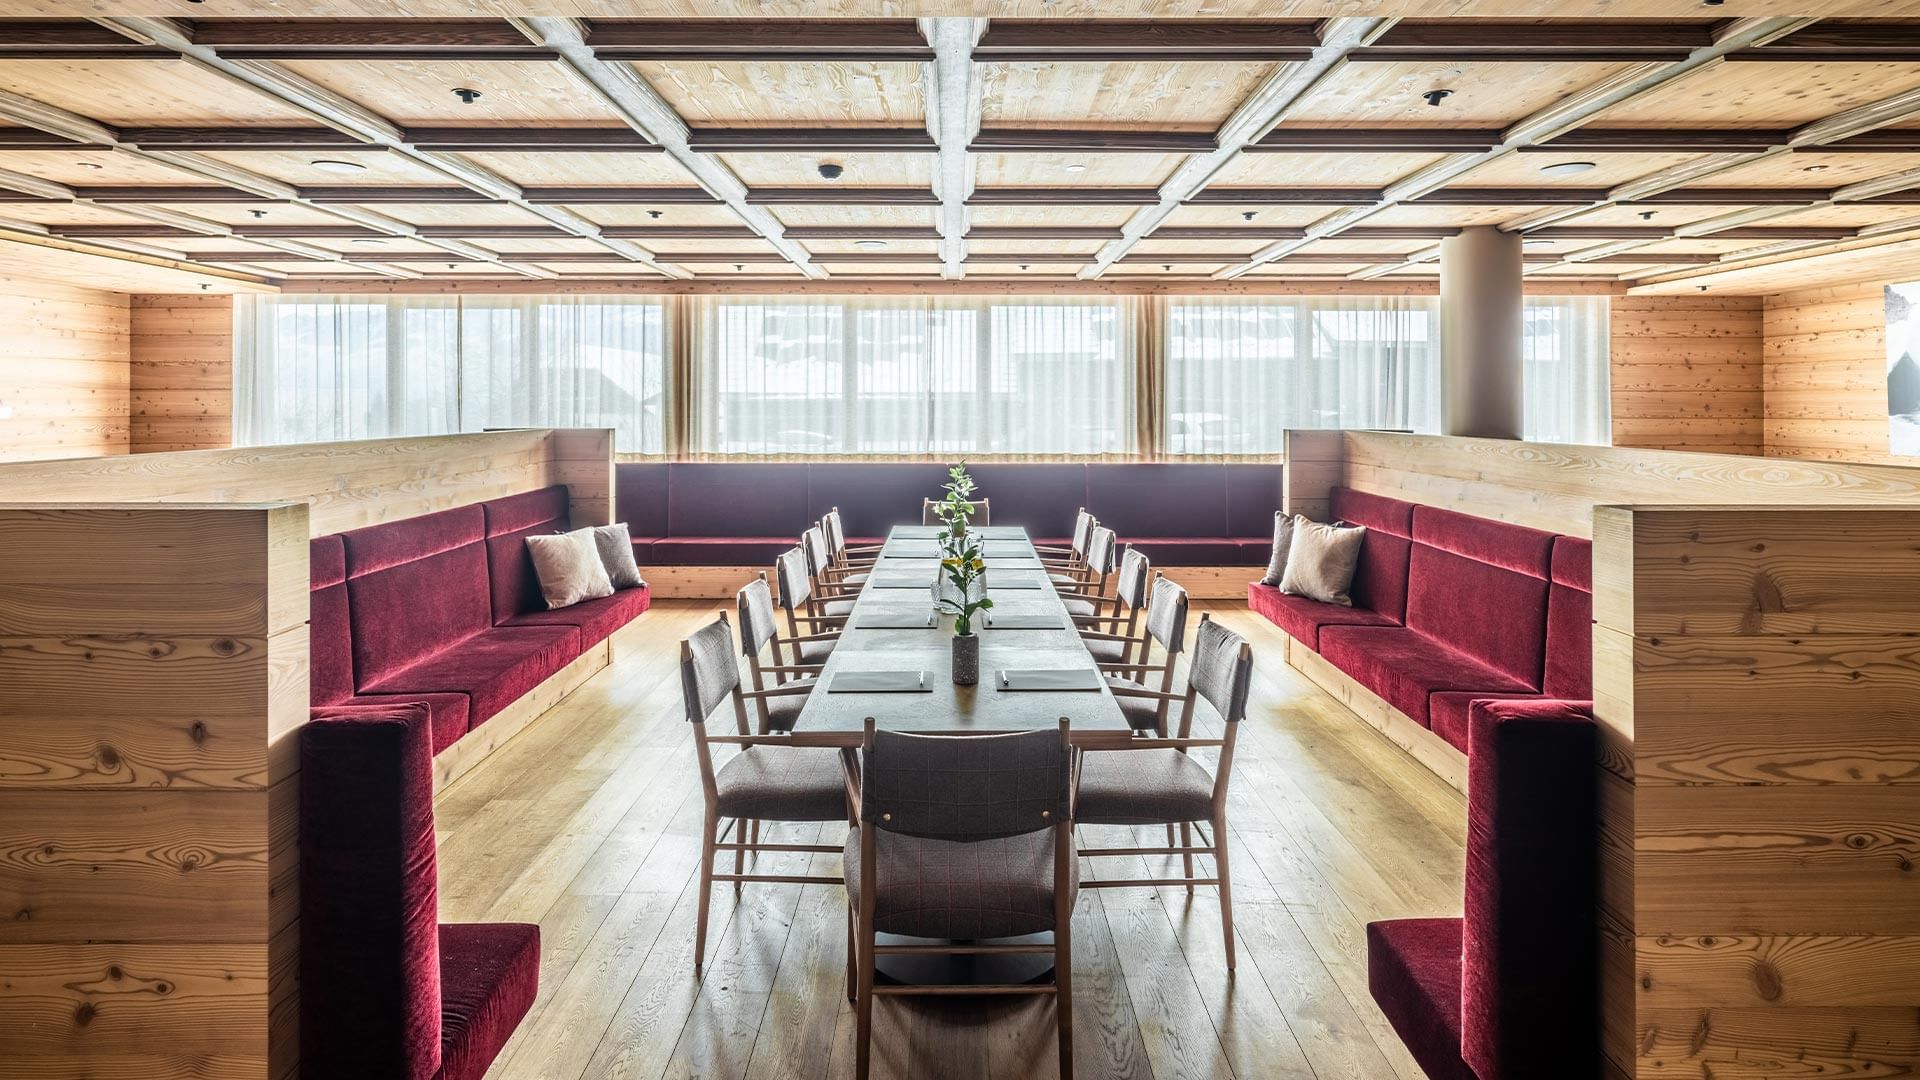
[(1678, 153)]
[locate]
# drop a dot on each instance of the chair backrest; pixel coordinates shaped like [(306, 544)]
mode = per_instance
[(966, 786), (1100, 551), (982, 512), (836, 534), (1131, 587), (791, 567), (1222, 669), (708, 672), (1083, 524), (1167, 615), (814, 543), (757, 625)]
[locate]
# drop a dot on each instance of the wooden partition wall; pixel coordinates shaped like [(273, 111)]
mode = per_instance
[(1757, 681), (153, 680)]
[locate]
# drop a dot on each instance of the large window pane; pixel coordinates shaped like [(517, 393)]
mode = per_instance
[(1565, 350), (914, 375), (542, 361)]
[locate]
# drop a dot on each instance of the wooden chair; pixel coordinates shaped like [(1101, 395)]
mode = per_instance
[(760, 632), (1159, 783), (810, 630), (1083, 594), (829, 585), (982, 513), (1167, 627), (1061, 562), (853, 563), (963, 839), (768, 780), (1113, 630)]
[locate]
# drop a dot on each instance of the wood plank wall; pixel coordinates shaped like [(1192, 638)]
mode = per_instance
[(149, 855), (181, 395), (1826, 375), (63, 371), (1687, 373), (1756, 679)]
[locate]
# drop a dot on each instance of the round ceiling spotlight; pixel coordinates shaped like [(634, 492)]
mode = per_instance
[(1647, 215), (1249, 215), (368, 240), (258, 213), (1567, 168), (466, 95), (831, 170), (1075, 166), (1435, 97), (89, 164), (870, 245), (335, 165), (1816, 168), (1534, 243)]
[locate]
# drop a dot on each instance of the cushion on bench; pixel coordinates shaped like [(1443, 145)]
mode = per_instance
[(414, 588), (1302, 618), (489, 974), (1380, 577), (493, 668), (1413, 973), (1480, 587), (1406, 667)]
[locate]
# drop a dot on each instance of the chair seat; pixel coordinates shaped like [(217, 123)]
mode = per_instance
[(1077, 606), (814, 652), (1413, 973), (936, 888), (489, 974), (783, 711), (1143, 787), (783, 783), (837, 607), (1142, 713), (1107, 652)]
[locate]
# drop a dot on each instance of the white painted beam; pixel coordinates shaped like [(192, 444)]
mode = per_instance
[(953, 92)]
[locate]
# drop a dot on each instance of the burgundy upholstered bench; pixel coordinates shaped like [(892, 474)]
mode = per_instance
[(386, 989), (1509, 991), (1448, 609), (445, 609)]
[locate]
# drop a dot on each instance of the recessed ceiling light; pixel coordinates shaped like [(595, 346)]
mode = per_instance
[(1536, 243), (1435, 97), (89, 164), (1075, 166), (1567, 168), (1815, 168), (368, 240), (334, 165), (870, 245), (466, 95)]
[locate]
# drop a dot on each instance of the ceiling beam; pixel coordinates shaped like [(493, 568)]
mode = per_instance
[(623, 88), (954, 93), (681, 232), (366, 39), (1568, 113), (71, 39), (1064, 196), (1286, 86), (843, 140), (863, 232), (822, 194), (1055, 41), (1098, 140), (1043, 232), (1284, 140), (851, 40), (332, 110), (586, 139), (1284, 196)]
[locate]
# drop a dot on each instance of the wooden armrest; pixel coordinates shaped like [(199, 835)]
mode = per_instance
[(1098, 635), (1160, 744), (792, 669), (780, 739), (782, 689), (1141, 691), (1134, 667), (830, 635)]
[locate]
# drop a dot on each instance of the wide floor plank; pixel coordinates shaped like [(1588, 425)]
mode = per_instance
[(588, 823)]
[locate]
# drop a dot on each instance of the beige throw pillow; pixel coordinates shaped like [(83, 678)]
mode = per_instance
[(1321, 561), (616, 554), (569, 567), (1282, 543)]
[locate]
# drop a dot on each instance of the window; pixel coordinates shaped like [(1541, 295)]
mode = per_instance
[(316, 368), (1564, 349), (914, 375), (1241, 370)]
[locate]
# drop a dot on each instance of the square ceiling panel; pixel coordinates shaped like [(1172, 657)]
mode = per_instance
[(564, 169), (1762, 95), (830, 214), (1074, 170), (1529, 169), (1320, 170), (1485, 95), (64, 213), (1813, 169), (644, 214), (1245, 247), (256, 213), (803, 170), (1158, 96), (1085, 248), (1663, 215), (823, 249), (454, 213), (1849, 215), (1282, 216), (129, 93), (421, 92), (514, 244), (1450, 216), (82, 167), (790, 94), (1106, 217), (301, 167)]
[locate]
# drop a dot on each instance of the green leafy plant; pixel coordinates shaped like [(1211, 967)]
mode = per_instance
[(965, 568), (956, 510)]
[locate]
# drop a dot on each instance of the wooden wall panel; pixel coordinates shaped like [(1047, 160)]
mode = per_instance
[(1826, 375), (63, 371), (149, 848), (181, 378), (1686, 373)]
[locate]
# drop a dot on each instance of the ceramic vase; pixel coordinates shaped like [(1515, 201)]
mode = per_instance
[(966, 659)]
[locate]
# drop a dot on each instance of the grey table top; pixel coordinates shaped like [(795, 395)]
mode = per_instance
[(839, 719)]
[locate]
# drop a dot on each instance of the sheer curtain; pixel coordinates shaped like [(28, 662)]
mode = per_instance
[(1240, 370), (319, 368), (1565, 352), (914, 374), (564, 361)]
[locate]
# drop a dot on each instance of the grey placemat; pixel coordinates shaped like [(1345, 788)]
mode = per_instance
[(880, 682)]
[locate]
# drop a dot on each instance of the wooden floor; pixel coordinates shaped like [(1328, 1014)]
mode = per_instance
[(588, 824)]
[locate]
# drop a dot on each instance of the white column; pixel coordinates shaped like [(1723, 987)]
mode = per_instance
[(1480, 323)]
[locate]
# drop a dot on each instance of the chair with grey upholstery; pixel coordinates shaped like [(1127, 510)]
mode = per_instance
[(1112, 632), (1063, 563), (1166, 626), (834, 595), (1158, 782), (812, 631), (1085, 594), (768, 780), (760, 633), (852, 564), (964, 840), (982, 512)]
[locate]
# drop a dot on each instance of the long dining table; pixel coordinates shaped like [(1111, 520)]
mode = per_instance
[(893, 627)]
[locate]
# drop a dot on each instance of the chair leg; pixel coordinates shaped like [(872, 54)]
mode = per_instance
[(707, 853), (740, 855), (863, 1007), (853, 957), (1063, 996), (1226, 882), (1186, 841)]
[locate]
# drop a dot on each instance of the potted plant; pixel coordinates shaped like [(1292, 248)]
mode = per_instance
[(963, 577), (957, 508)]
